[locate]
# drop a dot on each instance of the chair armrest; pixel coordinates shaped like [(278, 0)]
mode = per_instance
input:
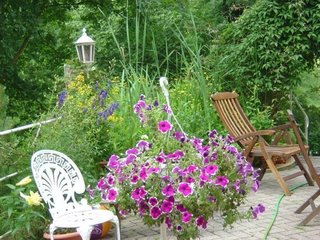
[(269, 132), (282, 127)]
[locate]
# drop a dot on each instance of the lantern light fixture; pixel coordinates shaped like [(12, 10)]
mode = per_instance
[(85, 47)]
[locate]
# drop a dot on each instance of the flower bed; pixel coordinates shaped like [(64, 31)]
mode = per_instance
[(176, 179)]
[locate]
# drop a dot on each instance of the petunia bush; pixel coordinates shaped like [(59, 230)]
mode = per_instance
[(179, 180)]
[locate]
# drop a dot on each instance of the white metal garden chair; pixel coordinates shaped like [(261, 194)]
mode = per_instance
[(59, 180)]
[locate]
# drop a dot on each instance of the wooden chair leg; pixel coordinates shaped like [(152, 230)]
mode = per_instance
[(307, 203), (315, 212), (302, 168), (278, 177)]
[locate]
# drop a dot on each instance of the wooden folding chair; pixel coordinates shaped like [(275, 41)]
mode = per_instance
[(315, 175), (253, 143)]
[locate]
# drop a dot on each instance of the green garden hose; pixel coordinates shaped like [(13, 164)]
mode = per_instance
[(276, 209)]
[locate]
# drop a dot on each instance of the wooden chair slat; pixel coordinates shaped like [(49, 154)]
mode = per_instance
[(238, 125)]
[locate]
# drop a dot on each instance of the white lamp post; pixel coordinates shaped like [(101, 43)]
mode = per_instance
[(85, 47)]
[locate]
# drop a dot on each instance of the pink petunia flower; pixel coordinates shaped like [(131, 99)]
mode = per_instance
[(132, 151), (155, 212), (113, 162), (211, 169), (168, 190), (112, 195), (166, 206), (186, 217), (153, 201), (221, 181), (185, 189), (164, 126)]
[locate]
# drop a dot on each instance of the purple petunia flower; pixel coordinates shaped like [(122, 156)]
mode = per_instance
[(143, 145), (138, 193), (200, 221), (143, 207), (112, 195), (168, 190), (132, 151), (211, 169), (221, 181), (190, 179), (102, 185), (166, 109), (153, 170), (186, 217), (164, 126), (130, 158), (166, 206), (160, 159), (110, 179), (185, 189), (90, 191), (255, 185), (143, 174), (168, 222), (257, 210), (155, 212), (113, 162), (153, 201), (178, 228), (134, 179), (179, 136), (181, 208)]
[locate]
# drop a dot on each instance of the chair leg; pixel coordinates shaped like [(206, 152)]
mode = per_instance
[(315, 212), (302, 168), (307, 203), (115, 220), (52, 228), (85, 232), (278, 177)]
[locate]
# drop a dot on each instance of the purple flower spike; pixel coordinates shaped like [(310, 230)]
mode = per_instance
[(221, 181), (166, 206), (155, 212), (186, 217), (185, 189), (168, 190), (62, 98), (164, 126)]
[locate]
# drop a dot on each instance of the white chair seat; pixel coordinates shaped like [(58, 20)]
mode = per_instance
[(75, 219)]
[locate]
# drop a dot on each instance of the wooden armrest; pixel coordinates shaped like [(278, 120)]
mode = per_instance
[(255, 134), (282, 127)]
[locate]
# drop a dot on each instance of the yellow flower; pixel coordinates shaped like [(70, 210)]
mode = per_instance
[(24, 181), (33, 199)]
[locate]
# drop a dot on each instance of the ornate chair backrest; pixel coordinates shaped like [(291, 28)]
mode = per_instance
[(232, 115), (58, 179)]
